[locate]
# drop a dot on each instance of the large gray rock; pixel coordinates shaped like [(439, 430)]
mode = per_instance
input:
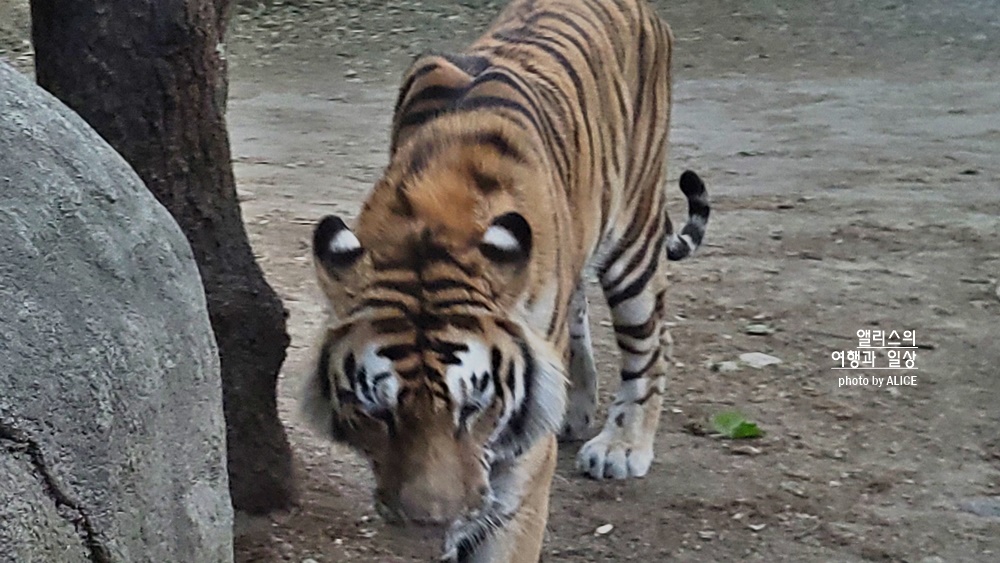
[(112, 440)]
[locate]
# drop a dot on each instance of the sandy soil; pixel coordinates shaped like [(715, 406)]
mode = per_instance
[(850, 148)]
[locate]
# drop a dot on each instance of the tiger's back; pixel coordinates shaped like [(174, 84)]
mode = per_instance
[(457, 300), (599, 105)]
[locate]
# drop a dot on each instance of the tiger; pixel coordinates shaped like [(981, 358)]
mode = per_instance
[(457, 351)]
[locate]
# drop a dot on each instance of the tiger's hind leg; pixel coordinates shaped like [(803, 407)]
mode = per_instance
[(634, 284), (582, 397)]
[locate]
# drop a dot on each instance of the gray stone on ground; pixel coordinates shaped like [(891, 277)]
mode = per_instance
[(987, 507), (112, 440), (758, 359)]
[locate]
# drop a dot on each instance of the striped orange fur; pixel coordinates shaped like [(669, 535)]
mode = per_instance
[(458, 345)]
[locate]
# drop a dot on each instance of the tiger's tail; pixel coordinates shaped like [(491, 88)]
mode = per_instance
[(683, 244)]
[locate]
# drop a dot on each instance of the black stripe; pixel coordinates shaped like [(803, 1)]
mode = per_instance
[(448, 351), (445, 284), (468, 323), (503, 77), (543, 44), (421, 156), (552, 95), (641, 86), (464, 413), (350, 368), (404, 263), (630, 375), (434, 92), (443, 395), (495, 359), (584, 51), (338, 429), (554, 322), (364, 386), (476, 103), (607, 17), (637, 332), (660, 301), (451, 260), (585, 55), (404, 208), (653, 391), (323, 373), (639, 284), (496, 140), (485, 183), (448, 303), (405, 88), (508, 327), (518, 419), (425, 252), (557, 322), (635, 226), (419, 118), (654, 110), (396, 352), (409, 287), (512, 377), (623, 110), (346, 397), (558, 319), (633, 263), (623, 244), (391, 325), (626, 10), (426, 322), (498, 385), (626, 347)]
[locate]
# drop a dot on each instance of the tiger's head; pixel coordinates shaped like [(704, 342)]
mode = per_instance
[(431, 366)]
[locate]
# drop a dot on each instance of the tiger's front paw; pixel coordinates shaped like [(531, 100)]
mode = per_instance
[(623, 449), (606, 456)]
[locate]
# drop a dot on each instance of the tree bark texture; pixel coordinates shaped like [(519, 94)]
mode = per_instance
[(150, 77)]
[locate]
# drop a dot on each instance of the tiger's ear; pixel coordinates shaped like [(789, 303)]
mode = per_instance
[(507, 240), (334, 245)]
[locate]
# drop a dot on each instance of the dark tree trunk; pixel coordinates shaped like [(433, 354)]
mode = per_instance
[(150, 77)]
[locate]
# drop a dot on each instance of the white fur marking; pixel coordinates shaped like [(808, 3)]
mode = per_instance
[(462, 378), (386, 390), (548, 394), (635, 310), (501, 238), (344, 241)]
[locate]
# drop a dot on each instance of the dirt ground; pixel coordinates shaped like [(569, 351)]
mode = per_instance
[(850, 149)]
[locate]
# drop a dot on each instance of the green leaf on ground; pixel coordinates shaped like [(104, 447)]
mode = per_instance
[(734, 425)]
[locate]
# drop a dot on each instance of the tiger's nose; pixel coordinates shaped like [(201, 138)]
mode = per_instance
[(426, 508)]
